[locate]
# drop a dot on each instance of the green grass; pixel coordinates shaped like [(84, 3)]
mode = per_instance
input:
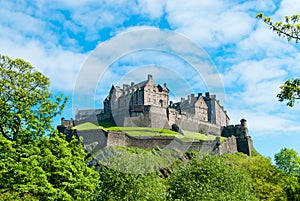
[(86, 126), (145, 131)]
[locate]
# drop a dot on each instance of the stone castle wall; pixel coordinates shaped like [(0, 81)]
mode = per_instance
[(228, 146), (195, 125), (148, 142), (99, 138), (240, 132), (238, 139)]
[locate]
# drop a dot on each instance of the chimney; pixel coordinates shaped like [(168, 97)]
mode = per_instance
[(132, 83), (199, 95), (207, 94), (189, 98), (150, 77), (182, 99), (165, 84), (193, 95)]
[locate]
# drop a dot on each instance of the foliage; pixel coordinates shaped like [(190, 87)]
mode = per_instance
[(290, 91), (50, 169), (27, 105), (133, 173), (267, 180), (135, 160), (288, 161), (32, 165), (209, 178), (117, 185), (290, 29)]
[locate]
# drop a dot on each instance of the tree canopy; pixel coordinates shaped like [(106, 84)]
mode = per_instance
[(288, 161), (210, 178), (27, 104), (49, 169), (37, 163)]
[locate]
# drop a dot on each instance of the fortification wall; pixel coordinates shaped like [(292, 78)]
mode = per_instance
[(116, 139), (190, 124), (228, 146), (96, 136), (171, 143), (158, 117), (240, 132), (148, 142), (245, 145), (235, 130)]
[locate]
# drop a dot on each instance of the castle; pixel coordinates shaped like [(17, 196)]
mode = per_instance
[(146, 104)]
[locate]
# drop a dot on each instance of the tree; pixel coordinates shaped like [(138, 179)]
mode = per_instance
[(288, 161), (268, 182), (210, 178), (37, 163), (27, 104), (290, 29), (49, 169), (117, 185)]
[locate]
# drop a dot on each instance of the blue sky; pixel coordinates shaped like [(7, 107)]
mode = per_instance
[(58, 37)]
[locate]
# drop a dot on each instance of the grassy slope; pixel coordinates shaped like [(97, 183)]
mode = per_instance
[(145, 131)]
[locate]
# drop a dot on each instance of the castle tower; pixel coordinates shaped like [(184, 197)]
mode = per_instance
[(243, 140)]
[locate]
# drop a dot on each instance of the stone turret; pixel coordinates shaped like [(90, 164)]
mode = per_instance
[(240, 131)]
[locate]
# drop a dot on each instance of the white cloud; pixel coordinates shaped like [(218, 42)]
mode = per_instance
[(60, 65), (287, 7), (210, 23), (154, 8)]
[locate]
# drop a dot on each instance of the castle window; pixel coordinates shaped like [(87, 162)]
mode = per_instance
[(149, 91), (154, 101), (149, 100), (161, 103), (154, 93)]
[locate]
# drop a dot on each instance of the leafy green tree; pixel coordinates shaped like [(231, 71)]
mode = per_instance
[(289, 29), (50, 169), (36, 163), (118, 185), (268, 182), (288, 161), (27, 104), (210, 178)]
